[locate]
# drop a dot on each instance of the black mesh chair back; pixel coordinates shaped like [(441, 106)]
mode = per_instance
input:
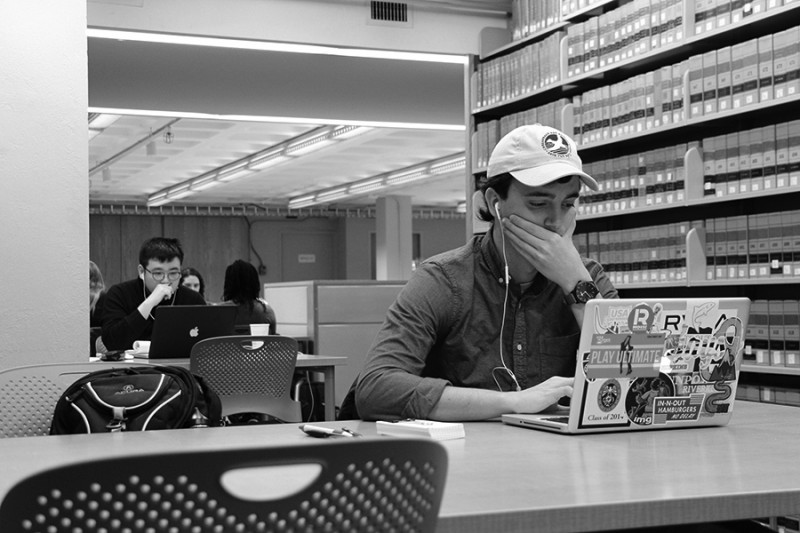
[(28, 394), (251, 374), (368, 484)]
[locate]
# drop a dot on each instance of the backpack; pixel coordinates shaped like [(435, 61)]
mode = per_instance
[(135, 399)]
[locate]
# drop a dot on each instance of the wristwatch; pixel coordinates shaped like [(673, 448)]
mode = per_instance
[(582, 293)]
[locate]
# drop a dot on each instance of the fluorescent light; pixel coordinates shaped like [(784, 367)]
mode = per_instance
[(301, 201), (398, 178), (234, 171), (181, 194), (348, 132), (333, 194), (457, 163), (196, 40), (308, 147), (159, 202), (279, 120), (362, 187), (384, 181), (267, 159), (102, 121), (201, 185)]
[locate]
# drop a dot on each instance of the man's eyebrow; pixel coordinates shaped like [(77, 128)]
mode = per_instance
[(545, 194)]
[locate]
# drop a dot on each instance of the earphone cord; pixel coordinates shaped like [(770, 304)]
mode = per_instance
[(503, 322)]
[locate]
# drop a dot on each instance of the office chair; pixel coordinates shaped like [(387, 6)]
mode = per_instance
[(250, 373), (369, 484), (28, 394)]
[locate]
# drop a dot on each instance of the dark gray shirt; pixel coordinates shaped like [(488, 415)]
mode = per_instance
[(444, 329)]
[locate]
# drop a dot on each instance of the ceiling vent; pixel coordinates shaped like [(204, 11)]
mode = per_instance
[(389, 13)]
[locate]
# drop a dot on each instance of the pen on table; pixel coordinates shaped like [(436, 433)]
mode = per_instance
[(320, 431)]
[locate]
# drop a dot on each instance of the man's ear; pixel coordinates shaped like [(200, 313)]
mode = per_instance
[(141, 272), (492, 201)]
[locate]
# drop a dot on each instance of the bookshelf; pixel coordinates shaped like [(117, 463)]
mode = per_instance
[(688, 114)]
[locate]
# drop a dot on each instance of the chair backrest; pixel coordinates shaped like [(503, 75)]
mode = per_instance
[(28, 394), (250, 373), (365, 484)]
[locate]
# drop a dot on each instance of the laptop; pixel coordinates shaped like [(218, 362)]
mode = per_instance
[(652, 364), (178, 328)]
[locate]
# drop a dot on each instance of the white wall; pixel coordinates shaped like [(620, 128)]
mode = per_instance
[(339, 23), (44, 220)]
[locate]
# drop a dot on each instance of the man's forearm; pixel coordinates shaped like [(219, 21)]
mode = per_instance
[(463, 404)]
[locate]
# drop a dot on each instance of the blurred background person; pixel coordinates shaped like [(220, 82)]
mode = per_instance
[(97, 291), (191, 279), (242, 287)]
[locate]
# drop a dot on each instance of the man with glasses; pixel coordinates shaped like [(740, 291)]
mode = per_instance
[(129, 306)]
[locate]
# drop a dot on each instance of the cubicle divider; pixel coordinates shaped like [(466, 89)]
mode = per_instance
[(338, 318)]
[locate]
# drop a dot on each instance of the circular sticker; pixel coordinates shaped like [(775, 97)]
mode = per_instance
[(641, 395), (608, 396), (641, 318)]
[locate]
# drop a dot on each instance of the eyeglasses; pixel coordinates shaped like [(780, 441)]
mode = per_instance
[(159, 275)]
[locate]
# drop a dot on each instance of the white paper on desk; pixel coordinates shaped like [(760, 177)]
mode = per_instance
[(140, 349)]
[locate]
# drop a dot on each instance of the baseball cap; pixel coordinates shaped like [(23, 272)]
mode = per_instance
[(537, 155)]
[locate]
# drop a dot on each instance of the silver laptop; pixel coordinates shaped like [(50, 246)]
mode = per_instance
[(178, 328), (652, 364)]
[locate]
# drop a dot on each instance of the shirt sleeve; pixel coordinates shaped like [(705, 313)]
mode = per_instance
[(121, 325), (393, 384), (601, 279)]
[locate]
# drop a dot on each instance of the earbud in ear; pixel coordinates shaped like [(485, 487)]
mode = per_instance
[(497, 209)]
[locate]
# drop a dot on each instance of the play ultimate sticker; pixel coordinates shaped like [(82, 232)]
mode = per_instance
[(615, 355)]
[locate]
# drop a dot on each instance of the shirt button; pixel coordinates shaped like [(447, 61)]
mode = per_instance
[(519, 347)]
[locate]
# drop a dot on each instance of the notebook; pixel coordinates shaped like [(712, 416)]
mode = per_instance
[(652, 364), (178, 328)]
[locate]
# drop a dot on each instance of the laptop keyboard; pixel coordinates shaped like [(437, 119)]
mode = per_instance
[(558, 419)]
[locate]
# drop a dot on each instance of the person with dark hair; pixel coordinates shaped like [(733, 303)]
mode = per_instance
[(492, 327), (242, 287), (97, 289), (129, 306), (191, 279), (97, 296)]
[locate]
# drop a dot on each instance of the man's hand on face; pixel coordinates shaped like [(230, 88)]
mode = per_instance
[(551, 254), (161, 292)]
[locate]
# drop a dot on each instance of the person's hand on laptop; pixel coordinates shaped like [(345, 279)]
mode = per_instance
[(542, 396)]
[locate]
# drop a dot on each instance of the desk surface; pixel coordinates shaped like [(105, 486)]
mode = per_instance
[(504, 478), (303, 360)]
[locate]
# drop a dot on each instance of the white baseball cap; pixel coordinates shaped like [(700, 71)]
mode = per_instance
[(537, 155)]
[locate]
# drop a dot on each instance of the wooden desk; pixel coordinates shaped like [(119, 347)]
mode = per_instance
[(319, 363), (504, 478)]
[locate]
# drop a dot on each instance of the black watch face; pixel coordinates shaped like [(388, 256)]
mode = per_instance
[(585, 291)]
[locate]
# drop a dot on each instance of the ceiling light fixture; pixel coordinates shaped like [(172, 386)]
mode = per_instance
[(311, 141), (98, 122), (196, 40), (427, 170), (279, 120)]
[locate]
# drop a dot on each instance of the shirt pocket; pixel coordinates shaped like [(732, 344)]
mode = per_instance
[(558, 355)]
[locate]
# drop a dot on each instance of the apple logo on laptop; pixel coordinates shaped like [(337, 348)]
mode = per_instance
[(194, 332)]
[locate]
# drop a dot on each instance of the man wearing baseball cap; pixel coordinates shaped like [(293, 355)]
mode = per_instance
[(492, 327)]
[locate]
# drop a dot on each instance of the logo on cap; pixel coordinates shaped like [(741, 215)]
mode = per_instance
[(555, 144)]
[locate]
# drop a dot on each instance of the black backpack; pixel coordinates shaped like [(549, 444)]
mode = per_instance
[(135, 399)]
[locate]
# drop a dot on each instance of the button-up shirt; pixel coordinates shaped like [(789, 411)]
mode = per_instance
[(444, 329)]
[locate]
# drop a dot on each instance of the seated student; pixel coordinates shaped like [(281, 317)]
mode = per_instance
[(492, 327), (129, 306), (242, 286), (191, 279), (97, 293)]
